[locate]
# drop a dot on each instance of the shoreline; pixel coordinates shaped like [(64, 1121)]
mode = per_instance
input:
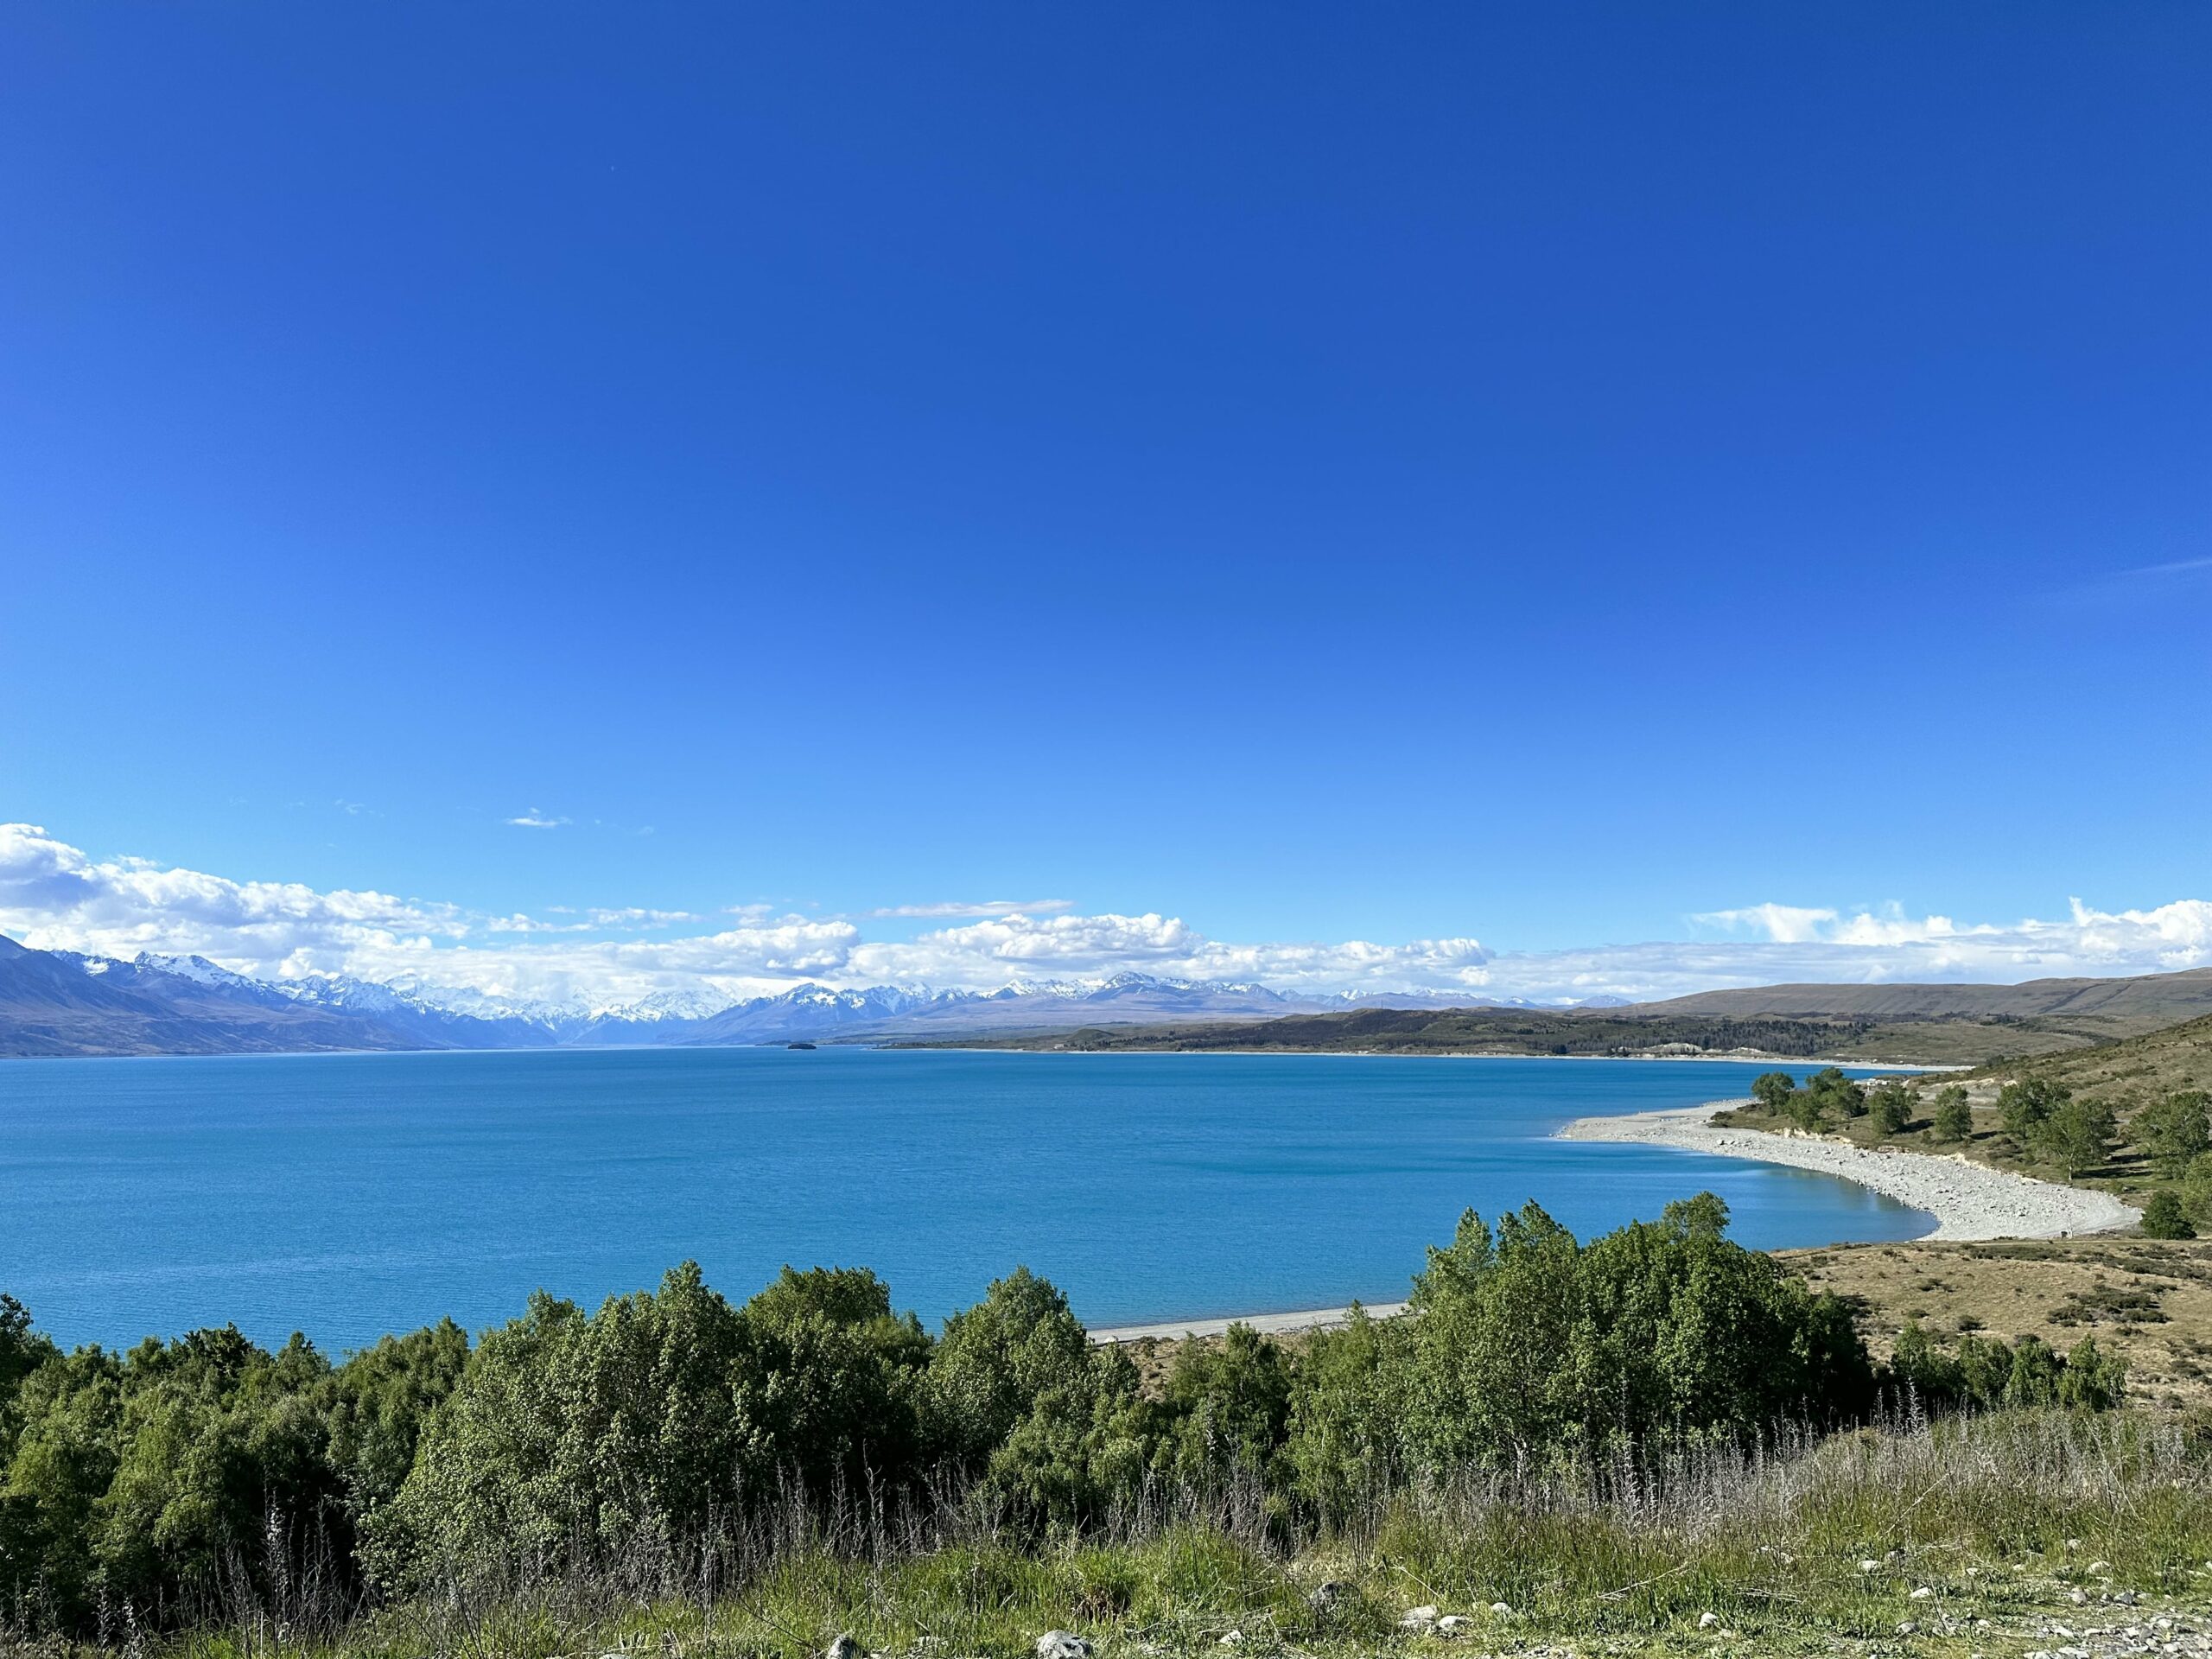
[(1968, 1200), (1272, 1324), (1798, 1060)]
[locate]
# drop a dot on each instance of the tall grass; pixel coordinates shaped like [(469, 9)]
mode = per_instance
[(1788, 1536)]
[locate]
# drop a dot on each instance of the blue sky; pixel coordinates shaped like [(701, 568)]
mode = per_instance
[(1535, 474)]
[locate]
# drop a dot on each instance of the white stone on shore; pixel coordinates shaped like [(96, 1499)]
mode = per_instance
[(1969, 1201)]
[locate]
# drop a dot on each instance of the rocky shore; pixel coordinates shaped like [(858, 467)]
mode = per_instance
[(1968, 1200)]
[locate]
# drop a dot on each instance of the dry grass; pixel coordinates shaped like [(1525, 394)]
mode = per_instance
[(2149, 1300)]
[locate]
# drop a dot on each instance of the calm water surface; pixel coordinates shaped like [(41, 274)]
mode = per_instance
[(350, 1195)]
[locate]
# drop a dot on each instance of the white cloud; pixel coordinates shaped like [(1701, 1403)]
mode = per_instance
[(988, 908), (535, 819), (1784, 922), (54, 895)]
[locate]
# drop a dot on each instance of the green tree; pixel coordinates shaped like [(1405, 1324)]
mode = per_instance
[(1017, 1397), (1772, 1090), (1228, 1406), (2175, 1132), (380, 1400), (570, 1436), (1837, 1093), (830, 1380), (1345, 1446), (1890, 1109), (2093, 1380), (1527, 1344), (2164, 1217), (2196, 1191), (2023, 1103), (1953, 1116), (2077, 1135)]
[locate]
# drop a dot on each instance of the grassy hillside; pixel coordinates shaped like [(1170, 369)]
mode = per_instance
[(2092, 1009), (1931, 1025), (2155, 1062)]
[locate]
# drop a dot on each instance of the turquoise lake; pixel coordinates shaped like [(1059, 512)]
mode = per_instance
[(350, 1195)]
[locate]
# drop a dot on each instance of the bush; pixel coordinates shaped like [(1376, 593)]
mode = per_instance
[(1228, 1408), (1527, 1344), (1984, 1374), (1019, 1399), (1345, 1444), (2164, 1217)]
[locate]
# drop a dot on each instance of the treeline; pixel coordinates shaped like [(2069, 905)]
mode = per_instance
[(2041, 1119), (166, 1483), (1468, 1030)]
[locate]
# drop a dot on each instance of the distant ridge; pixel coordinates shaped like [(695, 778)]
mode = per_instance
[(2097, 1008)]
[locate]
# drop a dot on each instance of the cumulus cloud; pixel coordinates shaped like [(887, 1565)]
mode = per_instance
[(54, 895), (1810, 944), (1784, 922), (535, 819)]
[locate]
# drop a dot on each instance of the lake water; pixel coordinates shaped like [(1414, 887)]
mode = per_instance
[(350, 1195)]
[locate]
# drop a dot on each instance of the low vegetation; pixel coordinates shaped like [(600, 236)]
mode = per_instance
[(2147, 1301), (1588, 1032), (1949, 1039), (2154, 1148), (1554, 1419)]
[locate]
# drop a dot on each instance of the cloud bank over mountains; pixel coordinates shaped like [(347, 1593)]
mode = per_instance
[(54, 895)]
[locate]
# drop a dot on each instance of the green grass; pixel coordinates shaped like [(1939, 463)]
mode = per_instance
[(2004, 1519)]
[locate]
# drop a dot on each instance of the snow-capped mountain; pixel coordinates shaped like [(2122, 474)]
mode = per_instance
[(812, 1010), (190, 1005)]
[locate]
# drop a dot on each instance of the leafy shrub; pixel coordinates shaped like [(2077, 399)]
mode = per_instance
[(1020, 1400), (1227, 1409), (1527, 1344), (2164, 1217), (1984, 1373)]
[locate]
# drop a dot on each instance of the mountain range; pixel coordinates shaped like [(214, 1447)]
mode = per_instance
[(63, 1002)]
